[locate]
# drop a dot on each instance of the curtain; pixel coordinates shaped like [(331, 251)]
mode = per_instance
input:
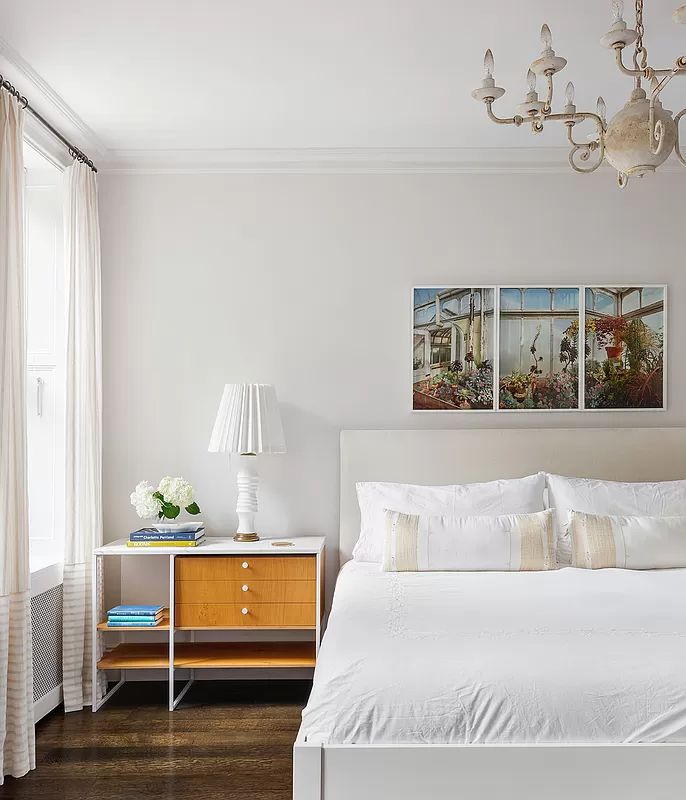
[(17, 750), (83, 529)]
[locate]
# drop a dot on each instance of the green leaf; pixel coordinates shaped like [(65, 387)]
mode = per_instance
[(170, 511), (193, 508), (158, 496)]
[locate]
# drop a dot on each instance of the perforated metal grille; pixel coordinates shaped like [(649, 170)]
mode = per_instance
[(46, 622)]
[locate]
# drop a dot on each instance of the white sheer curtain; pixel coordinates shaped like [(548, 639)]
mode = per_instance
[(17, 750), (83, 530)]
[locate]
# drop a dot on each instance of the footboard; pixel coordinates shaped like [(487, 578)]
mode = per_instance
[(489, 772)]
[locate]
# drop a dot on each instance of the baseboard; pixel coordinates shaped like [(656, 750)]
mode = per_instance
[(45, 704)]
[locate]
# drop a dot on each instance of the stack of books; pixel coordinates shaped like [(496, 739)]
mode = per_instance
[(134, 616), (149, 537)]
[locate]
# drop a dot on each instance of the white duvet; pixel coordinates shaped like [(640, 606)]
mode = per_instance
[(566, 656)]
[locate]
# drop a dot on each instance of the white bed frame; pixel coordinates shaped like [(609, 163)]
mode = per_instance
[(494, 772)]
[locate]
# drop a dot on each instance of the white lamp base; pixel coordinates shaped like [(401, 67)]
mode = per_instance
[(246, 506)]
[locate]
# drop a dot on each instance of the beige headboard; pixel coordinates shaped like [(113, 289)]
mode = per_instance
[(464, 456)]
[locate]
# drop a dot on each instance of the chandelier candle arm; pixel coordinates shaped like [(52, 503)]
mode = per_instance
[(516, 120), (548, 105), (584, 152), (649, 72)]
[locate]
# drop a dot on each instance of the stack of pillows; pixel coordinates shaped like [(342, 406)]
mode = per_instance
[(540, 522)]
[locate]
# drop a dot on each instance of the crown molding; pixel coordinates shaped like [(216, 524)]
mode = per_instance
[(48, 103), (339, 160), (455, 160)]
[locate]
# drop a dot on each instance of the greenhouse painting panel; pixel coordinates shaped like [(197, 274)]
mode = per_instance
[(625, 341), (538, 351), (452, 358)]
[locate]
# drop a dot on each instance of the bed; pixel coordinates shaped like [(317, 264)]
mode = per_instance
[(570, 682)]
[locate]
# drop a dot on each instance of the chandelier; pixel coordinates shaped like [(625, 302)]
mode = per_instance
[(638, 139)]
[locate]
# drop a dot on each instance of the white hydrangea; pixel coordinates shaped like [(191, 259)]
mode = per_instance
[(176, 491), (147, 506)]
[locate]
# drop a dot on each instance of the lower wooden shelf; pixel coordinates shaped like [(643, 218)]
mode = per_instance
[(209, 655)]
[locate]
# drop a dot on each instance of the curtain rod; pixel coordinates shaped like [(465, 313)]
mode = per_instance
[(74, 151)]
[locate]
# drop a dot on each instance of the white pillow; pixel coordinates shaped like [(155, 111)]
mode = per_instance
[(666, 499), (518, 496), (606, 541), (507, 543)]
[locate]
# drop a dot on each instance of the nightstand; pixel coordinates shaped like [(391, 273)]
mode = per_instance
[(222, 585)]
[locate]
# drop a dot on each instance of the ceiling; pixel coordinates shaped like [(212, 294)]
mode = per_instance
[(167, 74)]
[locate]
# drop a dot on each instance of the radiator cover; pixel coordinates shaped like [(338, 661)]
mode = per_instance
[(46, 623)]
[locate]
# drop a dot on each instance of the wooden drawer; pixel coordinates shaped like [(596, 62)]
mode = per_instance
[(258, 615), (246, 568), (248, 591)]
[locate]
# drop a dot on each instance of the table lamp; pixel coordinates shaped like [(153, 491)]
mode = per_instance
[(248, 423)]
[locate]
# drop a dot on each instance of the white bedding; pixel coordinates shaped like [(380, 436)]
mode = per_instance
[(566, 656)]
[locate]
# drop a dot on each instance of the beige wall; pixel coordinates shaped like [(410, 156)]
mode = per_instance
[(304, 281)]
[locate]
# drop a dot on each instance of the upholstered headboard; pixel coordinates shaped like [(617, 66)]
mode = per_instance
[(464, 456)]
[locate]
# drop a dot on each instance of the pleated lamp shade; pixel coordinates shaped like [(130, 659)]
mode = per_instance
[(248, 421)]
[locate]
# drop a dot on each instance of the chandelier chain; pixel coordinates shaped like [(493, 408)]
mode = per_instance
[(640, 51)]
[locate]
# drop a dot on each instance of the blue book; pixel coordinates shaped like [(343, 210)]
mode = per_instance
[(134, 611), (147, 535), (124, 618), (145, 624)]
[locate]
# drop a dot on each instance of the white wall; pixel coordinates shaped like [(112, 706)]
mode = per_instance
[(304, 281)]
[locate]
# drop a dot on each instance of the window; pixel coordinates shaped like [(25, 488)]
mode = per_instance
[(605, 303), (510, 299), (631, 302), (565, 299), (425, 314), (510, 345), (651, 295), (419, 352), (536, 300), (440, 346), (46, 338), (656, 322), (450, 307)]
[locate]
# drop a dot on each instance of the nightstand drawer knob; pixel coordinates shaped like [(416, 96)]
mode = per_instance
[(244, 565), (244, 587), (244, 611)]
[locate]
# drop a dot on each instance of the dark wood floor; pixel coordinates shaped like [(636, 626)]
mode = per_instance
[(231, 740)]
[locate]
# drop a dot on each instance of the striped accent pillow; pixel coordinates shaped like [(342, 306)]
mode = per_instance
[(506, 543), (601, 541)]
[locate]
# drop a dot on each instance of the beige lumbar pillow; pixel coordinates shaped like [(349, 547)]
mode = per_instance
[(505, 543), (604, 541)]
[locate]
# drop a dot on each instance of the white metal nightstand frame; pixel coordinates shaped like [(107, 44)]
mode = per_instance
[(305, 545)]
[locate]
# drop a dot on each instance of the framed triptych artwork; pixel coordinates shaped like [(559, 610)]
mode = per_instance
[(519, 348)]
